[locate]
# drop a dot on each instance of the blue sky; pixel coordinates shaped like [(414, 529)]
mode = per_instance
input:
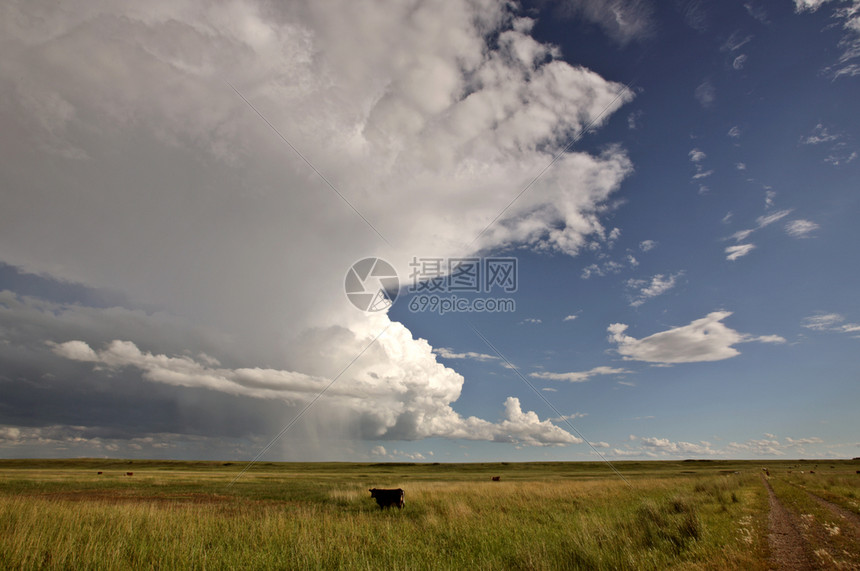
[(185, 189)]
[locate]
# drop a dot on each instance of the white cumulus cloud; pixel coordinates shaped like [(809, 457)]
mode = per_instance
[(705, 339), (190, 203)]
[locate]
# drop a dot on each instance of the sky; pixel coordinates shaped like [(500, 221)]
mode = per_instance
[(401, 231)]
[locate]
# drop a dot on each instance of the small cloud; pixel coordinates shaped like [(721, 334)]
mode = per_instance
[(768, 339), (703, 174), (728, 217), (757, 12), (697, 156), (706, 94), (763, 221), (822, 321), (801, 228), (573, 416), (829, 322), (695, 14), (627, 383), (580, 376), (769, 196), (623, 21), (735, 42), (379, 451), (802, 441), (570, 318), (819, 135), (837, 159), (658, 285), (610, 267), (735, 252), (742, 235), (741, 166), (549, 389), (840, 150), (633, 120), (447, 353), (735, 132), (531, 321), (647, 245), (739, 62)]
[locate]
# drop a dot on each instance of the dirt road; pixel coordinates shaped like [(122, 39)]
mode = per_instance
[(787, 545)]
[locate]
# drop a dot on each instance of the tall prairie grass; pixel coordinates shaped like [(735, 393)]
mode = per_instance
[(181, 520)]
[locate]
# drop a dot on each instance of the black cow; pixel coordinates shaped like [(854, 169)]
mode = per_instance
[(497, 478), (388, 498)]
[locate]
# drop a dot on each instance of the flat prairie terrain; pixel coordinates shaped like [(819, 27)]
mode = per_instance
[(685, 515)]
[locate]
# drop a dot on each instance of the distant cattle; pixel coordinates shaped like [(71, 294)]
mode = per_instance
[(129, 473), (388, 498), (858, 471), (100, 473), (497, 478), (812, 471)]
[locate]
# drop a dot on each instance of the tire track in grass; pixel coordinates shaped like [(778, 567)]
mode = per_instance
[(850, 518), (787, 545)]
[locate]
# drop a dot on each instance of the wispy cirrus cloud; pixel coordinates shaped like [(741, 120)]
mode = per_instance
[(840, 148), (706, 94), (697, 156), (801, 228), (738, 251), (847, 14), (736, 41), (829, 322), (624, 21), (767, 220)]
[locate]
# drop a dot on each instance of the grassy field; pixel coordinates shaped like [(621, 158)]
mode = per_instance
[(691, 515)]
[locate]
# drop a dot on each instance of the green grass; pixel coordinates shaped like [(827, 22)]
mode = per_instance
[(700, 515), (840, 485)]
